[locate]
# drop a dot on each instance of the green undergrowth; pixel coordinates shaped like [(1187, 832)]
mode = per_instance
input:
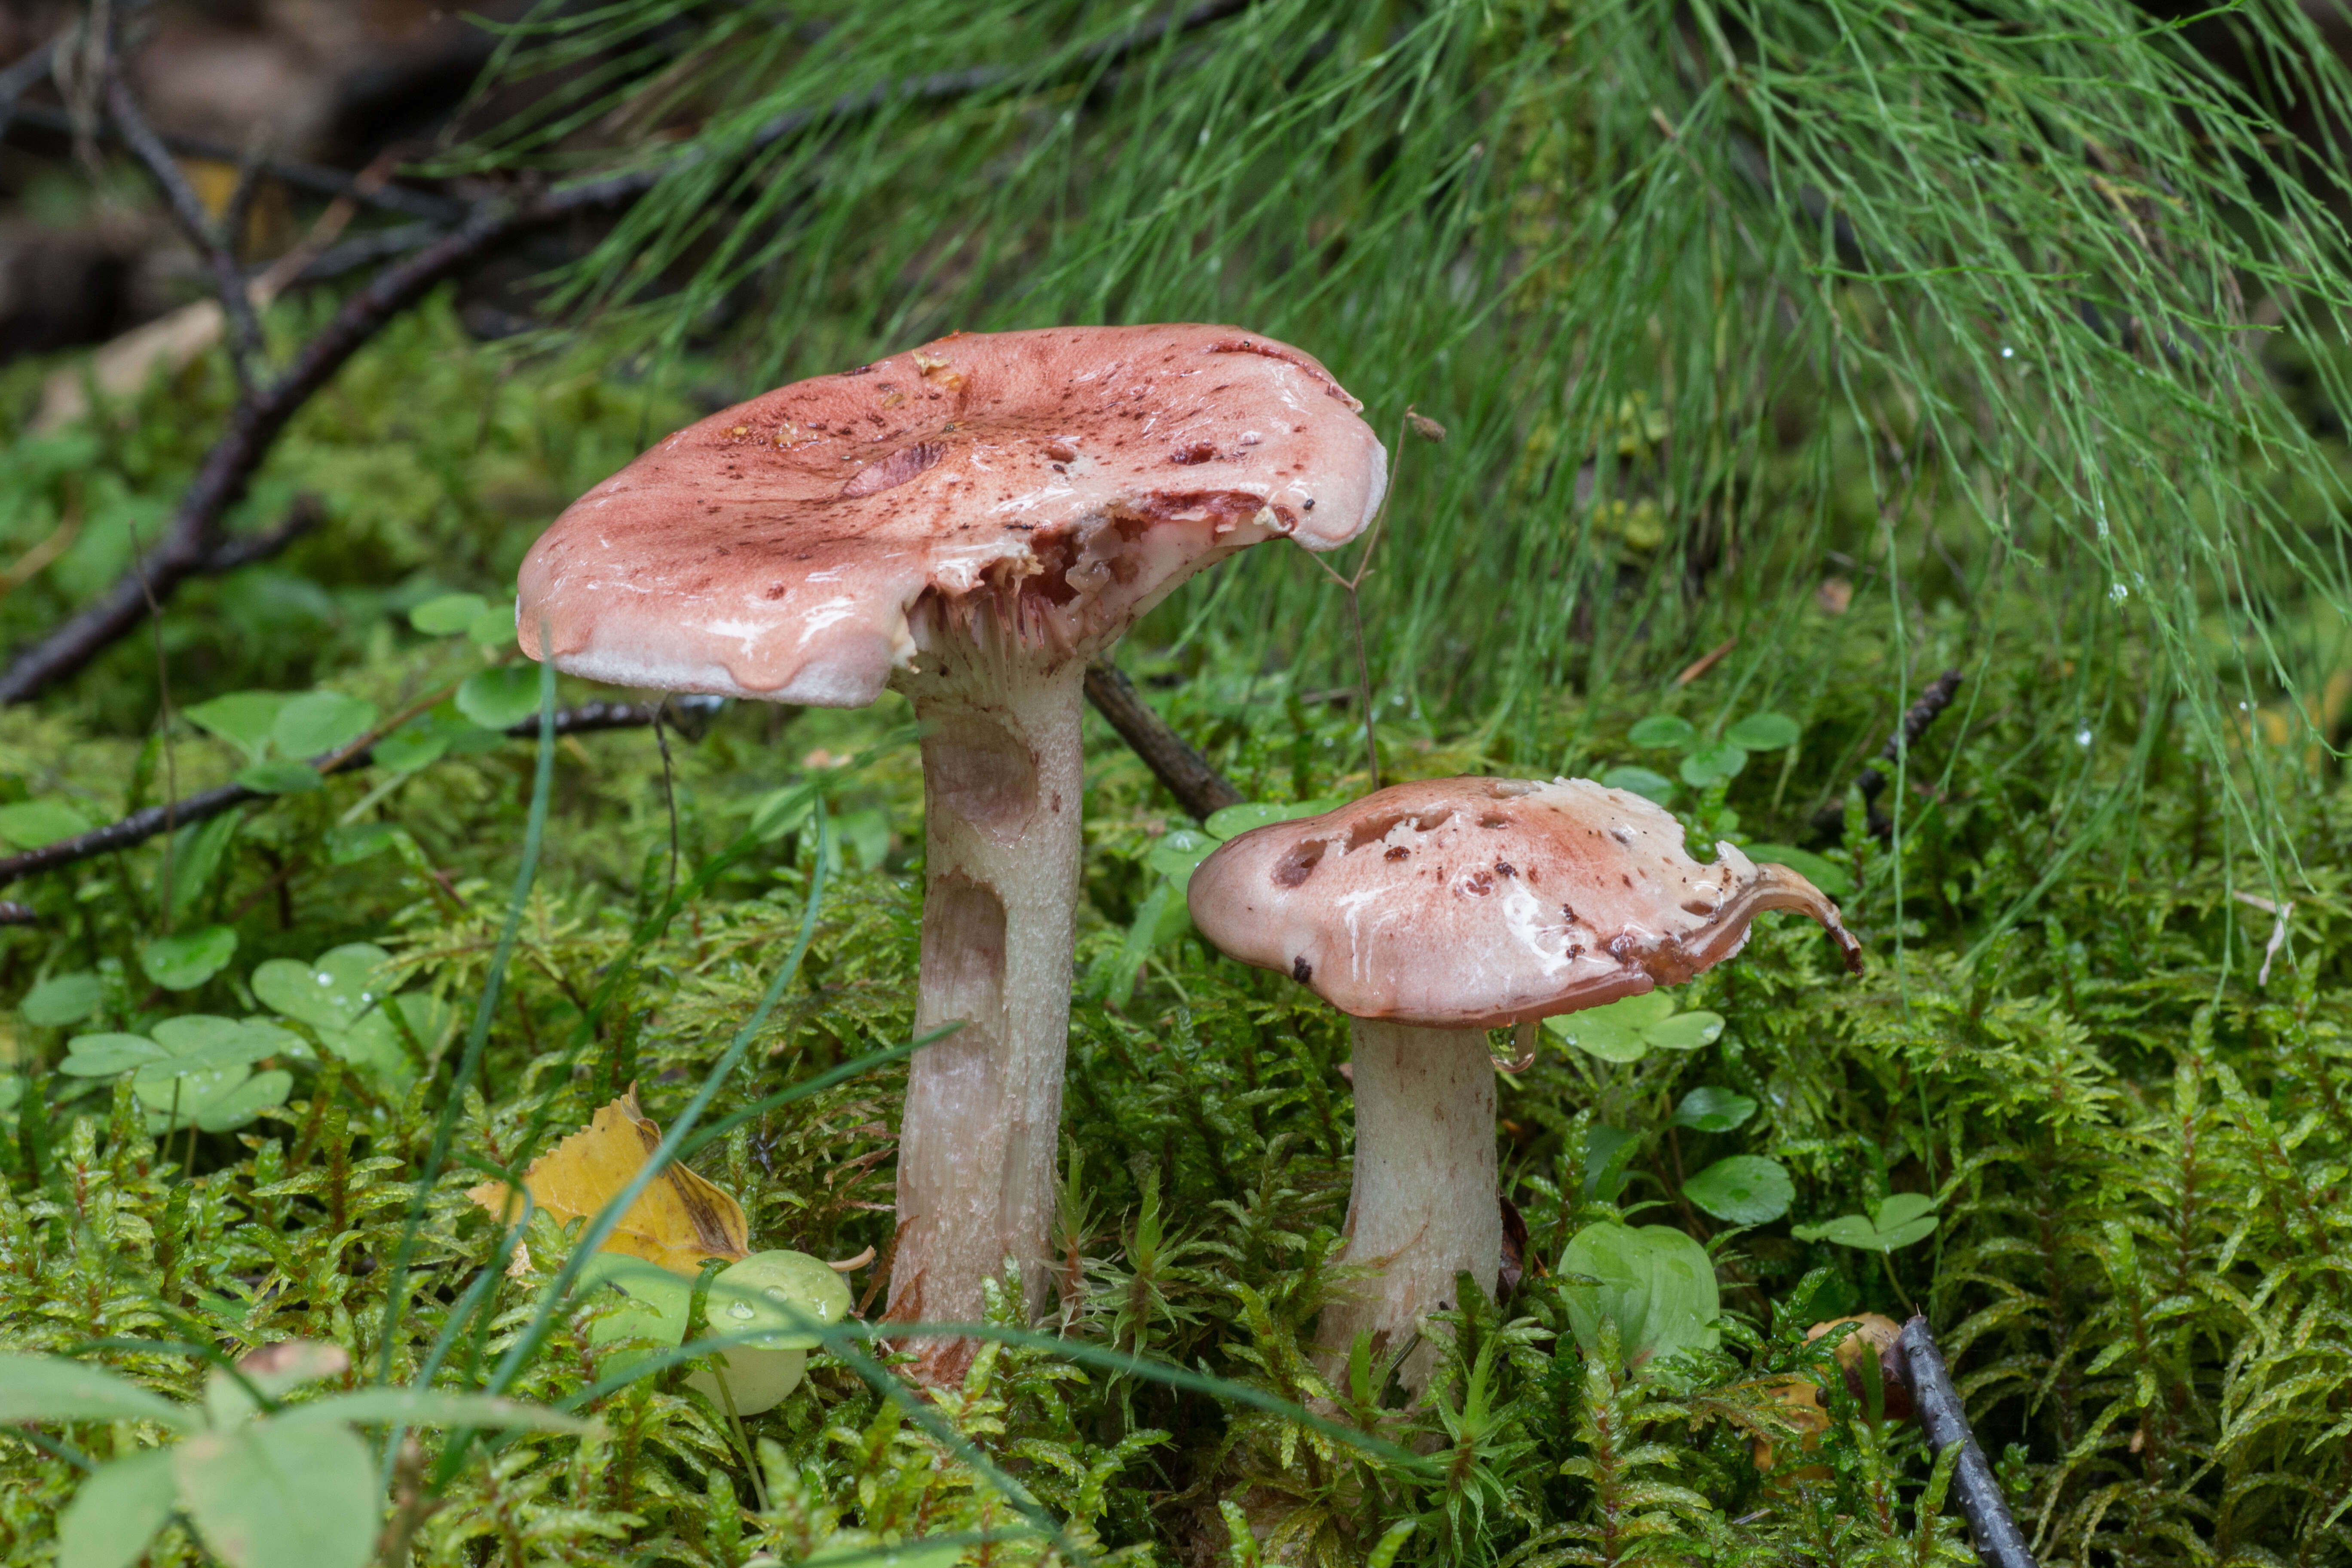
[(2128, 1111)]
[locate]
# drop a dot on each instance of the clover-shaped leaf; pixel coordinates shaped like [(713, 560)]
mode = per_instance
[(1745, 1189), (1629, 1029), (1764, 732), (1650, 784), (30, 824), (448, 614), (1653, 1282), (1718, 763), (186, 960), (1179, 853), (1710, 1110), (500, 697), (1824, 874), (1235, 820), (319, 722), (1901, 1221), (243, 718), (63, 999), (1662, 730)]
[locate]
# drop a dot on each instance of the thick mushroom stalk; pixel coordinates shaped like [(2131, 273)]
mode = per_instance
[(1431, 912), (967, 523), (1423, 1206)]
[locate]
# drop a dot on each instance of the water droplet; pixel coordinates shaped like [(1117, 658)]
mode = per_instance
[(2118, 593), (739, 1310), (2082, 736), (2008, 352)]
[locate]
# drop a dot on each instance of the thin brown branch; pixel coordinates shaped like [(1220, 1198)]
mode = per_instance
[(246, 355), (1199, 788), (142, 825)]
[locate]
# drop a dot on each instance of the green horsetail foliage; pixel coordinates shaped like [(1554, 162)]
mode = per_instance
[(1785, 358)]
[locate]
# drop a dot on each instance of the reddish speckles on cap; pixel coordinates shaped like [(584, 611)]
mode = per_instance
[(1029, 470), (1342, 901)]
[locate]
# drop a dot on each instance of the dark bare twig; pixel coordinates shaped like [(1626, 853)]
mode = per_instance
[(1916, 720), (236, 215), (317, 179), (244, 549), (1999, 1543), (142, 825), (260, 418), (1199, 788), (1871, 781), (247, 356)]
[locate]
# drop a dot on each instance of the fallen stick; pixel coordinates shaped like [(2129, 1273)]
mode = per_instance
[(1871, 780), (1199, 788), (1999, 1543), (142, 825)]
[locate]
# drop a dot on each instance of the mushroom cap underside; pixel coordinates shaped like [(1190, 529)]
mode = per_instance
[(1478, 902), (1072, 477)]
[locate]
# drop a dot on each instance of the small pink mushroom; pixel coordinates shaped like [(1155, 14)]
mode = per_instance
[(1431, 912)]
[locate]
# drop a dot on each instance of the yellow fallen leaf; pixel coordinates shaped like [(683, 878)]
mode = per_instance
[(678, 1220)]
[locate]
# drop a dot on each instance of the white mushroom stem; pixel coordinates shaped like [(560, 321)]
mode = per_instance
[(1002, 777), (1424, 1206)]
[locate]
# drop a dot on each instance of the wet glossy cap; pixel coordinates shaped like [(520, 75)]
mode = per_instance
[(793, 546), (1473, 902)]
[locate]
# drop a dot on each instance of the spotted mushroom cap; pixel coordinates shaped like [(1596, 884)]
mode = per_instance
[(1477, 902), (790, 547)]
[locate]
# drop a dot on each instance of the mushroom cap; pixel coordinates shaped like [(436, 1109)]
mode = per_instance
[(787, 547), (1477, 902)]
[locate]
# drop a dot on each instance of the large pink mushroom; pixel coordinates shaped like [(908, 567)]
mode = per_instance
[(967, 523), (1431, 912)]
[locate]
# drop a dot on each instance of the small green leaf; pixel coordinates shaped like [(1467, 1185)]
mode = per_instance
[(447, 615), (30, 824), (51, 1388), (1654, 1283), (261, 1092), (1178, 853), (1710, 1110), (330, 992), (1650, 786), (103, 1056), (1598, 1036), (63, 999), (415, 744), (117, 1513), (1764, 731), (1685, 1031), (501, 697), (1235, 820), (196, 851), (279, 777), (281, 1494), (494, 628), (1713, 765), (347, 845), (782, 1294), (243, 718), (186, 960), (1745, 1189), (867, 834), (1826, 875), (321, 721), (201, 1039), (1662, 729), (1900, 1221)]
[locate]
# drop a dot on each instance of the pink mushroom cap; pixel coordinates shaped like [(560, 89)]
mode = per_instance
[(1479, 902), (781, 549)]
